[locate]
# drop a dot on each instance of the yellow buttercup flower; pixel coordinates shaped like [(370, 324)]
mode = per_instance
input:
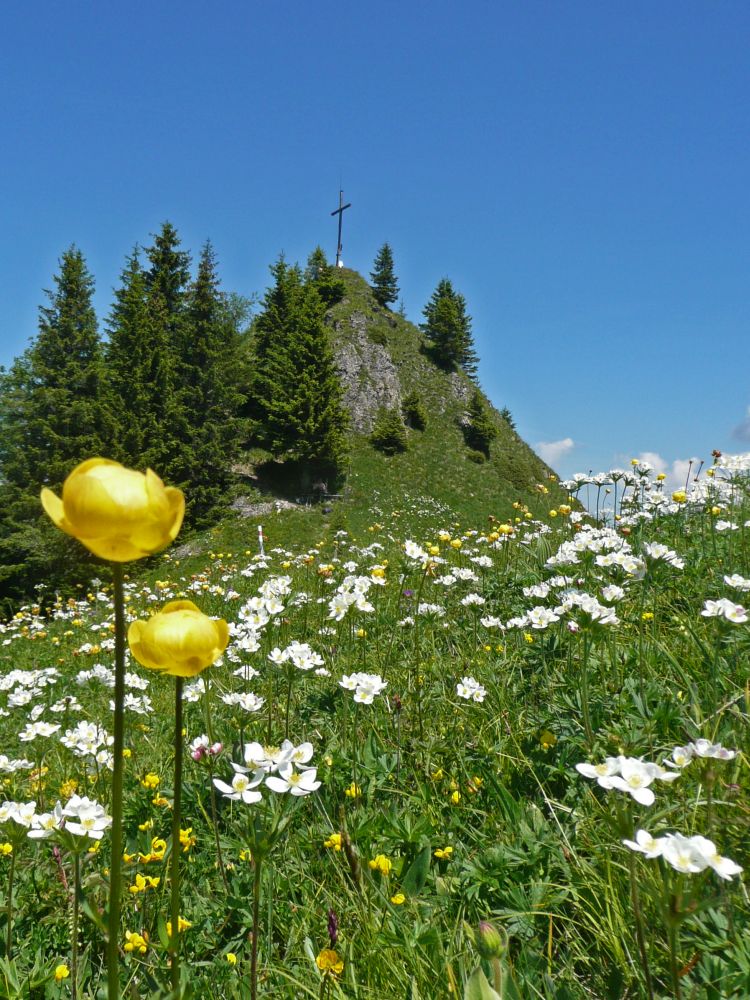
[(333, 841), (398, 899), (178, 640), (117, 513), (61, 972)]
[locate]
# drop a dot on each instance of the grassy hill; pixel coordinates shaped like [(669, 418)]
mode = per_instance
[(383, 358)]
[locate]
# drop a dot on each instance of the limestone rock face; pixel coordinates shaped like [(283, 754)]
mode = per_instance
[(368, 375)]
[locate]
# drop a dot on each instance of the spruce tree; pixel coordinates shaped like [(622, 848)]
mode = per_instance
[(481, 430), (53, 415), (384, 283), (209, 393), (324, 277), (388, 432), (130, 365), (448, 327), (414, 412), (295, 393), (147, 341)]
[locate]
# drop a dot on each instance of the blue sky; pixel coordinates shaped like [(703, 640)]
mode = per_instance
[(579, 170)]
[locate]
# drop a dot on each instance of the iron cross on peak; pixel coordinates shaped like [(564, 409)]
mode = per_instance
[(340, 212)]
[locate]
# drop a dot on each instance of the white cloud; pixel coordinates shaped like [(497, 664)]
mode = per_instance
[(742, 431), (552, 451)]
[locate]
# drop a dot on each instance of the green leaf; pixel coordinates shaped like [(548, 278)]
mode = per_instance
[(477, 987), (416, 876)]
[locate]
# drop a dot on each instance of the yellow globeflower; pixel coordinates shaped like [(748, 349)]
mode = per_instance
[(179, 640), (117, 513)]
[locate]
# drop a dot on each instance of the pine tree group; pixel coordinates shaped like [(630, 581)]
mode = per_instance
[(172, 364), (182, 384)]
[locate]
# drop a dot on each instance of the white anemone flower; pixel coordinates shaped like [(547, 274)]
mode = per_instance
[(89, 819), (601, 772), (294, 782), (24, 813), (242, 787), (47, 824), (634, 778), (683, 854), (652, 847), (267, 759), (471, 690), (724, 867), (705, 748), (681, 757)]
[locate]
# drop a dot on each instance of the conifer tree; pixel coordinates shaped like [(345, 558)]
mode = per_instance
[(384, 283), (414, 412), (388, 432), (129, 365), (481, 430), (325, 277), (295, 393), (53, 415), (209, 394), (448, 326), (147, 340)]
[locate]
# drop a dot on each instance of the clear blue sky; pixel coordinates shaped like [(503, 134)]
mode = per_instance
[(580, 170)]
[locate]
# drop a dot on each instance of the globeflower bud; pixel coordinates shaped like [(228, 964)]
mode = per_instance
[(489, 941), (179, 640), (117, 513)]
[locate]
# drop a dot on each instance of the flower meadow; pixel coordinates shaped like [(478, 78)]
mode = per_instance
[(434, 760)]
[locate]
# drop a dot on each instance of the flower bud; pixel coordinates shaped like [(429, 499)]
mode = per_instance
[(179, 640), (489, 941), (117, 513)]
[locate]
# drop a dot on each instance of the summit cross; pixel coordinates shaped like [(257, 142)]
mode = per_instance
[(340, 212)]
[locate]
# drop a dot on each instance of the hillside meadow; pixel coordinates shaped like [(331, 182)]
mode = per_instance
[(437, 759)]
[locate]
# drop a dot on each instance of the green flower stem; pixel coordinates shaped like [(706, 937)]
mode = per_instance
[(289, 680), (215, 825), (115, 868), (585, 692), (637, 913), (212, 790), (11, 879), (625, 827), (74, 928), (174, 941), (257, 866)]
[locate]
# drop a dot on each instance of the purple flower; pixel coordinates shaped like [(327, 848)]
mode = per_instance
[(333, 927)]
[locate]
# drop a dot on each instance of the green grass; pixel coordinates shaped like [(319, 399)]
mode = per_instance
[(532, 845)]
